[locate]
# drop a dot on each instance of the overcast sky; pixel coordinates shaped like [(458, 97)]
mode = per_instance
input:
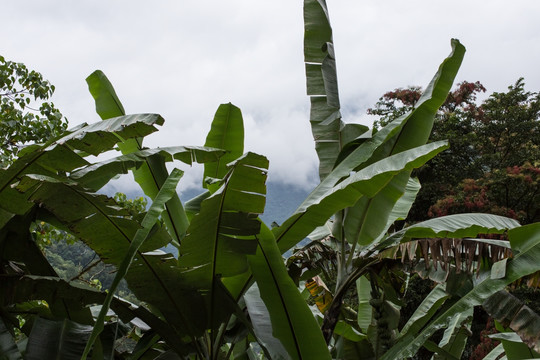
[(181, 59)]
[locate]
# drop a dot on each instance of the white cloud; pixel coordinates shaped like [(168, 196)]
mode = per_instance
[(182, 59)]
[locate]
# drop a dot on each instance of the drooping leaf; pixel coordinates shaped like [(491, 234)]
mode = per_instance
[(292, 321), (226, 133), (95, 219), (97, 175), (20, 289), (58, 155), (157, 207), (522, 264), (102, 136), (453, 226), (455, 336), (262, 325)]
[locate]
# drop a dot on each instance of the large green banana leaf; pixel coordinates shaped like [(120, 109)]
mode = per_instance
[(95, 219), (323, 202), (58, 156), (321, 76), (292, 321), (227, 133), (148, 222), (150, 175), (526, 242), (223, 233), (262, 324), (49, 339)]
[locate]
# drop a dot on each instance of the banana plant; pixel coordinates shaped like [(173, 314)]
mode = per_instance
[(229, 288), (366, 244)]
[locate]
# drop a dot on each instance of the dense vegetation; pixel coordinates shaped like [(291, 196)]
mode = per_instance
[(492, 164), (229, 294)]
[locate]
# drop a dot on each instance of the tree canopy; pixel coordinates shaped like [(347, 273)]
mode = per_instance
[(26, 114), (494, 149)]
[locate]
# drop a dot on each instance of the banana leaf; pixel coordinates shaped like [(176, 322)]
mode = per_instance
[(495, 353), (223, 233), (152, 174), (226, 133), (50, 339), (157, 207), (455, 336), (95, 176), (513, 313), (18, 246), (514, 348), (292, 320), (321, 77), (414, 132), (58, 156), (262, 324), (20, 289), (526, 238), (425, 311), (452, 226), (95, 219), (363, 289), (323, 202)]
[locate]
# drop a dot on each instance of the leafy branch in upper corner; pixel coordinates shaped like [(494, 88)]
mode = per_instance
[(26, 115)]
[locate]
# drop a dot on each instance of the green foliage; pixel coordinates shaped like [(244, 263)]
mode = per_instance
[(26, 115), (489, 142), (228, 293)]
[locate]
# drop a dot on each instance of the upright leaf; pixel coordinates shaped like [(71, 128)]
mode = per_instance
[(415, 131), (226, 133), (321, 76), (223, 233)]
